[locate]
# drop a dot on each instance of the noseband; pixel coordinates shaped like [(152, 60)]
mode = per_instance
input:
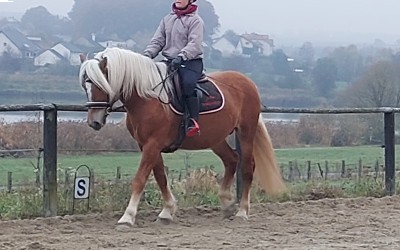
[(98, 105)]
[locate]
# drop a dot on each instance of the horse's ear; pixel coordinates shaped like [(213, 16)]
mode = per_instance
[(103, 65), (82, 57)]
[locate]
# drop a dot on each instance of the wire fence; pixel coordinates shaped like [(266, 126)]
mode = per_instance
[(292, 171)]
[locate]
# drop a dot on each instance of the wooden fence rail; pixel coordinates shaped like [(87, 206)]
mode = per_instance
[(50, 142)]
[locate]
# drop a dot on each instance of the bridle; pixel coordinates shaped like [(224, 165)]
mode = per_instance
[(108, 106), (96, 105)]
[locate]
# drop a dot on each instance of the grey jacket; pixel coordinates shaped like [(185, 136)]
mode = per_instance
[(178, 37)]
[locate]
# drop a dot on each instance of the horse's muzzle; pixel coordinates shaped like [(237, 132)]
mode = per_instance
[(95, 125), (97, 118)]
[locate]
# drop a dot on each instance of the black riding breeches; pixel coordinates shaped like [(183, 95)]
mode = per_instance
[(189, 74)]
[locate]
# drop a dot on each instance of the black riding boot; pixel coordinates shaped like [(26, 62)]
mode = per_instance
[(193, 105)]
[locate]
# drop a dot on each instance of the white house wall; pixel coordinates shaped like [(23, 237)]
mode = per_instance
[(267, 49), (46, 57), (112, 44), (225, 47), (7, 46), (246, 43), (75, 59), (62, 50)]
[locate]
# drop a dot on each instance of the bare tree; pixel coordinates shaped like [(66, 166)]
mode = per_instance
[(378, 87)]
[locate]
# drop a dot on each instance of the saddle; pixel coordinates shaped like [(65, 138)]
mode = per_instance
[(210, 97)]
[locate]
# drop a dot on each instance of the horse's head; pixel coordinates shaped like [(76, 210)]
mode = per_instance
[(93, 77), (119, 73)]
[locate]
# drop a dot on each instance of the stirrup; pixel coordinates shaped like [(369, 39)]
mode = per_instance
[(193, 130)]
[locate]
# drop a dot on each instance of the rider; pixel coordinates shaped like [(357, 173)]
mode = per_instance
[(180, 37)]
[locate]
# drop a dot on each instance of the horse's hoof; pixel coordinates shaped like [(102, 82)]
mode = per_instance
[(230, 210), (123, 227), (163, 221), (243, 215)]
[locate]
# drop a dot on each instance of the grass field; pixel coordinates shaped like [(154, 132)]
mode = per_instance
[(319, 154), (105, 165)]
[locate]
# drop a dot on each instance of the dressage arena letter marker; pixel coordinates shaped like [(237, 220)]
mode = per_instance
[(82, 188)]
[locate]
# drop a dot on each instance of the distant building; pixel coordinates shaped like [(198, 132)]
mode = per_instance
[(69, 51), (48, 57), (226, 46), (88, 45), (261, 43), (244, 45), (14, 42)]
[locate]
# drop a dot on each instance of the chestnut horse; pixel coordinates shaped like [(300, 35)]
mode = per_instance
[(123, 75)]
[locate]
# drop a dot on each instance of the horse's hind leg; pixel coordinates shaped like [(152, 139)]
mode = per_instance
[(230, 159), (170, 207), (246, 137)]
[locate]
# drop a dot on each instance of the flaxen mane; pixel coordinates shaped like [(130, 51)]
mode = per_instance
[(127, 71)]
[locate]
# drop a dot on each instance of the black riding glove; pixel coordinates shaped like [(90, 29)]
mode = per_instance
[(176, 62)]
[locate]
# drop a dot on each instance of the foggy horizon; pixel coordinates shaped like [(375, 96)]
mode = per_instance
[(288, 23)]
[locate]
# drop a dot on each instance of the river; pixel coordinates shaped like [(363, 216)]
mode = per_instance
[(12, 117)]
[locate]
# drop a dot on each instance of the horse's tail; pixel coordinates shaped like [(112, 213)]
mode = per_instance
[(266, 171)]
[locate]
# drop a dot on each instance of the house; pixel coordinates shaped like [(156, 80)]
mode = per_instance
[(88, 45), (47, 57), (111, 44), (244, 45), (14, 42), (40, 42), (226, 46), (262, 43), (68, 51)]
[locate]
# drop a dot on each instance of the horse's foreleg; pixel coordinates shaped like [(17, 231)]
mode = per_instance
[(230, 159), (170, 207), (150, 157)]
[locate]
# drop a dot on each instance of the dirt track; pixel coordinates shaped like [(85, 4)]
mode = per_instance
[(363, 223)]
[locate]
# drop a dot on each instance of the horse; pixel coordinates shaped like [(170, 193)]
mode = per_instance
[(141, 85)]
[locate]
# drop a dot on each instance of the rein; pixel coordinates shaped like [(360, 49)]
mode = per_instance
[(164, 84)]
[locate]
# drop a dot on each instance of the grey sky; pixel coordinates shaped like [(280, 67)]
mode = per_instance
[(289, 22)]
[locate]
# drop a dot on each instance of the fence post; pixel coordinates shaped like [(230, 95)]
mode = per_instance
[(326, 170), (50, 162), (343, 174), (118, 175), (290, 176), (92, 180), (308, 170), (376, 169), (360, 169), (239, 173), (389, 154), (9, 182)]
